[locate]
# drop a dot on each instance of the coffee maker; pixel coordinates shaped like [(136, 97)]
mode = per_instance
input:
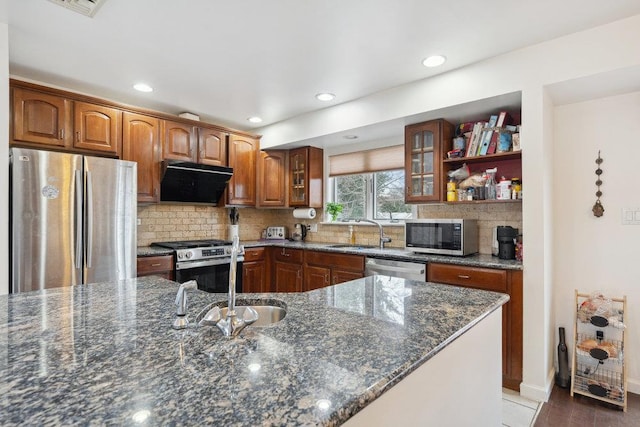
[(506, 237), (299, 232)]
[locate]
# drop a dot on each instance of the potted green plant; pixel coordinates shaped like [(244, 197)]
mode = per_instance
[(334, 209)]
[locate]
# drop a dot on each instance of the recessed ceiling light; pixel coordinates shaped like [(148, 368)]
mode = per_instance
[(350, 137), (143, 87), (434, 61), (325, 96), (255, 119)]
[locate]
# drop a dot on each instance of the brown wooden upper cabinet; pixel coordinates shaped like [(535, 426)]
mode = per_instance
[(272, 179), (242, 158), (179, 142), (423, 160), (212, 147), (57, 122), (97, 128), (306, 177), (141, 143), (41, 118)]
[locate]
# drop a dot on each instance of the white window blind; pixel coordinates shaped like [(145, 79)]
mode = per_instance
[(379, 159)]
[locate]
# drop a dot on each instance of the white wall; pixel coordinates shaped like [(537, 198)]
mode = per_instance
[(4, 155), (598, 253), (597, 54)]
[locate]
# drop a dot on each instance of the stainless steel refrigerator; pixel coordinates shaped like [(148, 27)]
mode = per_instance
[(73, 219)]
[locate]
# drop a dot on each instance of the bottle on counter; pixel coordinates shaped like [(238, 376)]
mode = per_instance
[(503, 191), (352, 235)]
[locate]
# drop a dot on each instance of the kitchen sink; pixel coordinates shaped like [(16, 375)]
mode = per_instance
[(346, 246), (269, 311)]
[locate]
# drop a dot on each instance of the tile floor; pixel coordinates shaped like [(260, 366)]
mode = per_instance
[(566, 411), (518, 411)]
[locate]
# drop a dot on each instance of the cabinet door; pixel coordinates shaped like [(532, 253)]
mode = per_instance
[(316, 277), (272, 179), (212, 147), (423, 160), (97, 128), (179, 142), (242, 158), (306, 177), (141, 143), (287, 277), (253, 277), (341, 276), (41, 119)]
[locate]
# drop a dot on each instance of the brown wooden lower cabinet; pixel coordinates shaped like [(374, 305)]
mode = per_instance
[(254, 271), (325, 268), (287, 270), (156, 265), (505, 281)]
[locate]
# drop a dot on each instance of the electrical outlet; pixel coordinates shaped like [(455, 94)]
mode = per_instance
[(138, 221), (630, 216), (313, 228)]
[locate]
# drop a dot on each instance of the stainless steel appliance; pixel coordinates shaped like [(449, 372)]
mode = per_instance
[(458, 237), (276, 232), (299, 232), (402, 269), (205, 261), (73, 219)]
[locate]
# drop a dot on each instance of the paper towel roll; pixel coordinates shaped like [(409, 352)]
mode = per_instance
[(304, 213)]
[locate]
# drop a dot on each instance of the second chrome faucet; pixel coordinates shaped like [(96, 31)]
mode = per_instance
[(383, 239)]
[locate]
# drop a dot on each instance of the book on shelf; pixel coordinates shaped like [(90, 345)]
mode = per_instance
[(503, 119), (472, 146), (486, 135)]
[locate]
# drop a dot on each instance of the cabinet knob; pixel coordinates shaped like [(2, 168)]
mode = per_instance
[(61, 134), (463, 276), (78, 136)]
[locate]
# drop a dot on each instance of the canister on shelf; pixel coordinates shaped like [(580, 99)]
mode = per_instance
[(452, 194), (516, 188)]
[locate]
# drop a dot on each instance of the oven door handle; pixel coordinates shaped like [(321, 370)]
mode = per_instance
[(205, 263)]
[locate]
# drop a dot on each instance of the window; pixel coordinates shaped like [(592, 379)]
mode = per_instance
[(370, 184), (376, 195)]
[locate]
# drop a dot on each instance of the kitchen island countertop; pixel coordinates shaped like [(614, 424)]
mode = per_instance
[(106, 354)]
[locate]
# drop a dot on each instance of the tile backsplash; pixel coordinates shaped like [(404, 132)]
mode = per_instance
[(187, 222)]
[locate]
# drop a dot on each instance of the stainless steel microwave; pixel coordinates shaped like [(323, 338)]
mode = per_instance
[(458, 237)]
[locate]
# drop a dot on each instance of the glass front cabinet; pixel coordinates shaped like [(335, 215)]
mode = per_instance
[(425, 145), (305, 177)]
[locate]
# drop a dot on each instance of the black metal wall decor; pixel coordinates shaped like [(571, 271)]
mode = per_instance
[(598, 209)]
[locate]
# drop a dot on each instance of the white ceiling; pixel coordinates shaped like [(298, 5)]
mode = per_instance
[(228, 60)]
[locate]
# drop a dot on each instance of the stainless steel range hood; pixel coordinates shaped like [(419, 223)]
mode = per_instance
[(186, 182)]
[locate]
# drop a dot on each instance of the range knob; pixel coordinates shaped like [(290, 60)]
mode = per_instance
[(189, 254), (180, 255)]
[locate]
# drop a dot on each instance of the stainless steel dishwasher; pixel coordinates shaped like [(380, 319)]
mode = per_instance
[(402, 269)]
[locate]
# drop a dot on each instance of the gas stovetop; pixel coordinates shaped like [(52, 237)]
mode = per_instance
[(195, 250), (188, 244)]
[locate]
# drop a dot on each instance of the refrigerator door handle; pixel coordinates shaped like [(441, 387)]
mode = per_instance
[(78, 218), (89, 217)]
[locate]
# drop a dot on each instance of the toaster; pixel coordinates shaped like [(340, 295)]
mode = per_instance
[(276, 233)]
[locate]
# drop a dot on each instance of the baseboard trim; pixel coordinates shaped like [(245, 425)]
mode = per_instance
[(537, 393)]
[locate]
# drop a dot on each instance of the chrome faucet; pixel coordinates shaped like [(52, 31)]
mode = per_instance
[(181, 321), (231, 324), (383, 239)]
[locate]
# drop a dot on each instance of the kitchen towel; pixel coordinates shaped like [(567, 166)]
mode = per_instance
[(305, 213)]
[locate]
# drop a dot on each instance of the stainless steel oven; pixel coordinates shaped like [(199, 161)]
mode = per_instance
[(207, 262)]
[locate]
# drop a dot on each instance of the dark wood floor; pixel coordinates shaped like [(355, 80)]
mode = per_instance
[(566, 411)]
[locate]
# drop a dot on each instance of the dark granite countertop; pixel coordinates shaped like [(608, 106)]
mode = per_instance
[(105, 354), (477, 260), (153, 251)]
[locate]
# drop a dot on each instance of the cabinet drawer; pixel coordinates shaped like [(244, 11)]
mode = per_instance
[(474, 277), (288, 255), (344, 261), (253, 254), (152, 264)]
